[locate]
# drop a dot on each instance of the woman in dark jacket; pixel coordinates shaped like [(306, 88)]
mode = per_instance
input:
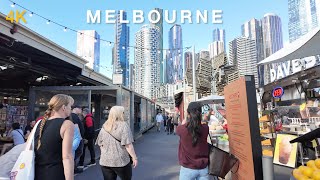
[(193, 146)]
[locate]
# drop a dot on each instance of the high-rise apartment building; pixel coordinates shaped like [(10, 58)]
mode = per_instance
[(304, 15), (188, 60), (147, 61), (88, 47), (253, 30), (216, 48), (242, 52), (160, 26)]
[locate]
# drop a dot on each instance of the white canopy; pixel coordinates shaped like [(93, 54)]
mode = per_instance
[(213, 99), (307, 45)]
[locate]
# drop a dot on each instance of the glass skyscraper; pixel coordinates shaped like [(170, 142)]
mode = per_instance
[(272, 39), (121, 49), (304, 15), (175, 55), (219, 35)]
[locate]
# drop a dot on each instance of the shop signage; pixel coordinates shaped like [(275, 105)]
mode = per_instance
[(284, 69), (243, 127), (277, 92)]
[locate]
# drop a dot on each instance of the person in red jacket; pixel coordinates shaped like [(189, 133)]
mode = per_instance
[(88, 123)]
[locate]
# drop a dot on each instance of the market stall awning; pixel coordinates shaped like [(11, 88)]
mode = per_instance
[(307, 45), (213, 99)]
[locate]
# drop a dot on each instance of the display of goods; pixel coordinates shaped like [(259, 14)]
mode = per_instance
[(311, 171), (224, 137)]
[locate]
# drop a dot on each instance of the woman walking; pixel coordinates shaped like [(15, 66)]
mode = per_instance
[(193, 146), (115, 141), (53, 141)]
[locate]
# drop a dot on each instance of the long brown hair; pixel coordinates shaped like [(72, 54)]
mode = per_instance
[(55, 103)]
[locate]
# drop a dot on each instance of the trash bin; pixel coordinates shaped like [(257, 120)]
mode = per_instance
[(267, 168)]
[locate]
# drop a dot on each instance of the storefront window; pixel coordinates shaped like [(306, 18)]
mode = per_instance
[(143, 114), (43, 97), (126, 104)]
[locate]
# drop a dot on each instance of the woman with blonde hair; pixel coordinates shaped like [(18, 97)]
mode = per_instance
[(53, 141), (115, 141)]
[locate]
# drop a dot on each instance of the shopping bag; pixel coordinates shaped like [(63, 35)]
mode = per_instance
[(23, 169), (220, 162)]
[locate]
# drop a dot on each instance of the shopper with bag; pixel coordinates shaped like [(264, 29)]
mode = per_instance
[(53, 141), (115, 141), (193, 146)]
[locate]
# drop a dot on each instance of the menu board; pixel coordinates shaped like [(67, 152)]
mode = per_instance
[(243, 128)]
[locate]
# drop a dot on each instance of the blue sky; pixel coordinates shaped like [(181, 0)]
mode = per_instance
[(72, 13)]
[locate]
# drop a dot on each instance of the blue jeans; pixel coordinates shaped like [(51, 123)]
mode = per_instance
[(193, 174)]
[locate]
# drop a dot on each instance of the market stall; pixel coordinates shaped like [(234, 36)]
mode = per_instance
[(292, 96)]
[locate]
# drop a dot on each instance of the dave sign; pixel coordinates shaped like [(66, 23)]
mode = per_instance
[(285, 69)]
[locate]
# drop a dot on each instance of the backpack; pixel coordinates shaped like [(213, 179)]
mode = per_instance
[(89, 132)]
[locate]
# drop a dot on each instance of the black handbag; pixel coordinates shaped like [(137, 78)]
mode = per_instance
[(220, 162), (131, 161)]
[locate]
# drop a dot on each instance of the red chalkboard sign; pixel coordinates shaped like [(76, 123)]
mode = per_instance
[(277, 92)]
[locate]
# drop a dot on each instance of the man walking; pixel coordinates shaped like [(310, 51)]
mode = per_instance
[(76, 111), (159, 119), (89, 138)]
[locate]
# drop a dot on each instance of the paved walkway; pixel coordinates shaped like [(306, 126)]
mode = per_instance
[(158, 158)]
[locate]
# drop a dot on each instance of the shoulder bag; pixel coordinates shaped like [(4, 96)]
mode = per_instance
[(23, 169)]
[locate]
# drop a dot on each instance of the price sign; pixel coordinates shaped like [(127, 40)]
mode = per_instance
[(277, 92)]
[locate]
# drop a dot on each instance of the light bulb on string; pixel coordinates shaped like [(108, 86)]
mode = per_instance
[(48, 22), (65, 29), (31, 14), (95, 40), (109, 43), (13, 5), (123, 47), (159, 51)]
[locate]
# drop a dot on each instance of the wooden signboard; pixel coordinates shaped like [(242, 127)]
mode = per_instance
[(243, 128)]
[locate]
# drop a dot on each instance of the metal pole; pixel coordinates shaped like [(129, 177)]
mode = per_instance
[(194, 74)]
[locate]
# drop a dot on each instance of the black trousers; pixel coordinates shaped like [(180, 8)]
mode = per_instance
[(90, 146), (111, 173)]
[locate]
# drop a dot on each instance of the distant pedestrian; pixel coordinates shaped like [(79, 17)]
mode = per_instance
[(88, 123), (165, 120), (53, 141), (115, 141), (159, 119), (28, 128), (193, 146), (176, 120), (169, 125)]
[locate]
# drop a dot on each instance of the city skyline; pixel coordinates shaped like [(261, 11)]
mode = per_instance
[(200, 40)]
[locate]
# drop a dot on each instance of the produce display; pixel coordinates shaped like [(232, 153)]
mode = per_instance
[(224, 138), (311, 171)]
